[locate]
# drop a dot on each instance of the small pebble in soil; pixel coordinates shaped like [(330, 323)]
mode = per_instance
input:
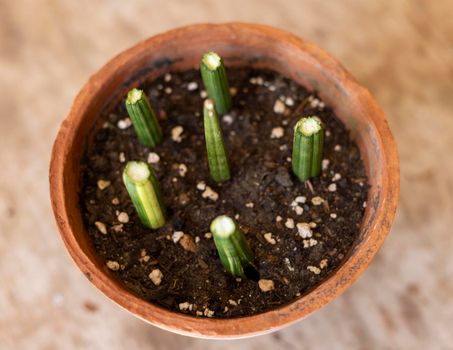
[(121, 157), (336, 177), (289, 223), (185, 306), (168, 90), (279, 107), (304, 230), (232, 302), (115, 201), (333, 215), (153, 158), (182, 170), (187, 243), (123, 217), (277, 132), (227, 119), (167, 77), (309, 242), (325, 164), (156, 277), (208, 235), (288, 264), (208, 313), (177, 235), (233, 91), (289, 102), (317, 200), (210, 193), (176, 133), (298, 209), (316, 270), (249, 204), (332, 187), (203, 94), (117, 228), (323, 263), (268, 237), (124, 123), (113, 265), (337, 148), (201, 186), (278, 218), (266, 285), (101, 227), (192, 86), (103, 184), (144, 257)]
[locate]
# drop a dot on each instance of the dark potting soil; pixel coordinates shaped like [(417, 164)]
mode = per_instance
[(300, 232)]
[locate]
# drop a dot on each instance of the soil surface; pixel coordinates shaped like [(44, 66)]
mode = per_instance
[(264, 196)]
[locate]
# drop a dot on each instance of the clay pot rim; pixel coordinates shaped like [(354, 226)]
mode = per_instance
[(264, 322)]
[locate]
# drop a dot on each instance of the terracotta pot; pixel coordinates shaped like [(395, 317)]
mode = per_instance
[(241, 45)]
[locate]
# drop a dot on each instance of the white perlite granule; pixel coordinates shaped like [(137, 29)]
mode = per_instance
[(156, 276), (277, 132), (325, 164), (201, 186), (332, 187), (336, 177), (153, 158), (227, 119), (176, 133), (314, 269), (304, 230), (192, 86), (124, 123), (266, 285), (122, 157), (185, 306), (177, 235)]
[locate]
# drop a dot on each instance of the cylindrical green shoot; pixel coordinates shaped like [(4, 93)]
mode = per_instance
[(216, 81), (234, 251), (143, 188), (217, 156), (307, 148), (143, 118)]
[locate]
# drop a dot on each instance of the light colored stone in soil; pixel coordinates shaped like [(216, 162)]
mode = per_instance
[(323, 263), (201, 186), (277, 132), (101, 227), (167, 77), (123, 217), (153, 158), (208, 235), (233, 91), (317, 200), (298, 209), (192, 86), (203, 94), (187, 243), (336, 177), (210, 194), (249, 204), (278, 218), (316, 270), (121, 157), (176, 236), (288, 264), (337, 148), (115, 201), (325, 164), (266, 285), (332, 187), (182, 170), (333, 215), (289, 223), (168, 90), (208, 313), (144, 257), (113, 265), (103, 184), (156, 276), (227, 119), (232, 302), (185, 306), (268, 237), (308, 243), (176, 133), (279, 107), (289, 102), (124, 123), (117, 228), (304, 230)]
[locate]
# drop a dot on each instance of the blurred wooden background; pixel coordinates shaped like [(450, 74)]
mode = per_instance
[(402, 50)]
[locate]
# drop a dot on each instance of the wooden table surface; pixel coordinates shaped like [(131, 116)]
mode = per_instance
[(402, 50)]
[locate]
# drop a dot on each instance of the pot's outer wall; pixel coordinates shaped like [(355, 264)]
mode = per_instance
[(241, 45)]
